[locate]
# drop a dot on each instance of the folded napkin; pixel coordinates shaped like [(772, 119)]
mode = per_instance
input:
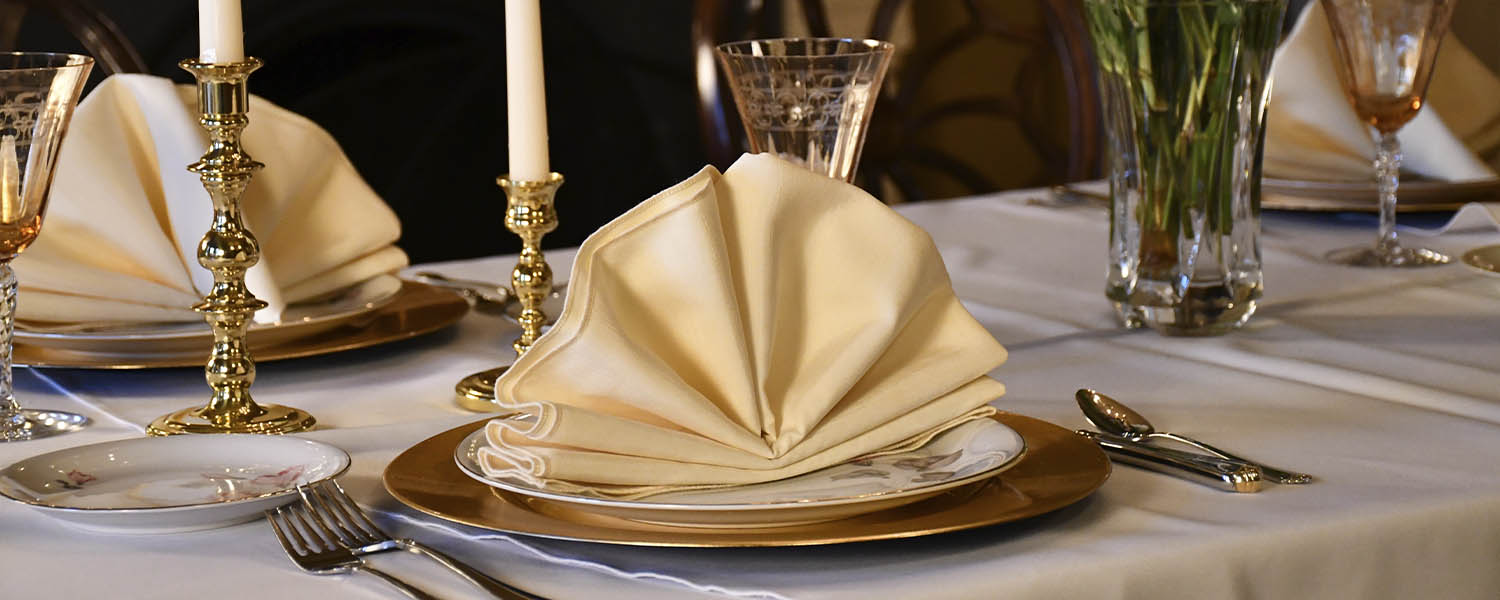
[(125, 216), (1313, 133), (741, 328)]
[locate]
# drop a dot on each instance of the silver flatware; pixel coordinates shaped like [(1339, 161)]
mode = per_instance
[(350, 528), (481, 291), (1065, 196), (318, 555), (495, 298), (1111, 416), (1227, 475)]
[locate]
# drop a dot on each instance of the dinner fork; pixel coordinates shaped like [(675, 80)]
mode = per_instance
[(335, 511), (318, 555)]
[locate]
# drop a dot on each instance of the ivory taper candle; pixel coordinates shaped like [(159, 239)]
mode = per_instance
[(221, 32), (526, 99)]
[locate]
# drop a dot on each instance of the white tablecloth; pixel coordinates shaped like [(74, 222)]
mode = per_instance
[(1383, 383)]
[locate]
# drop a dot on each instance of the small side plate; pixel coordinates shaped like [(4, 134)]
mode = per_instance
[(170, 484)]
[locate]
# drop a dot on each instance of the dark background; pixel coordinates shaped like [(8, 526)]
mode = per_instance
[(414, 90)]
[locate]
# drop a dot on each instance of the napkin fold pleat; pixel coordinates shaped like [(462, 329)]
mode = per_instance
[(126, 216), (737, 328), (1314, 134)]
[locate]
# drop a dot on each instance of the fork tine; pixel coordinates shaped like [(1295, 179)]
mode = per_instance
[(352, 512), (325, 513), (291, 548), (320, 542), (303, 546)]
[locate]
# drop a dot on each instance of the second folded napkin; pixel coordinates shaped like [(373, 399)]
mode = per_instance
[(125, 215), (741, 328)]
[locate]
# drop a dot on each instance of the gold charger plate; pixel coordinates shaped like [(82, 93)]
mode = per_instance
[(1059, 468), (1413, 196), (417, 309)]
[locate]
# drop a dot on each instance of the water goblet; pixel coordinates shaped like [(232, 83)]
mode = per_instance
[(1386, 52), (807, 100), (38, 92)]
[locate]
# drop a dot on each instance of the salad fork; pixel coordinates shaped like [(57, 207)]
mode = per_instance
[(318, 555), (351, 529)]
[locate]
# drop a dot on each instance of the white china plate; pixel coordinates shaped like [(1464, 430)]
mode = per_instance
[(1485, 259), (297, 320), (170, 484), (965, 454)]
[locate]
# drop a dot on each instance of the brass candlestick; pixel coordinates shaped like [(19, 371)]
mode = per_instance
[(531, 214), (228, 250)]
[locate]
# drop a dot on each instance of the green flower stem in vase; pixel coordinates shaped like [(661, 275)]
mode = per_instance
[(1184, 86)]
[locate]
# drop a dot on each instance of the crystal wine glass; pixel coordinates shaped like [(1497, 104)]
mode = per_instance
[(37, 94), (807, 100), (1386, 52)]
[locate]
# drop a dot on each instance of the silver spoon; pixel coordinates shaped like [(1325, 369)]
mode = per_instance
[(1110, 415)]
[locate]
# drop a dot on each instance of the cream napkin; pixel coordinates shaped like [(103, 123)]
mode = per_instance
[(125, 216), (741, 328), (1313, 133)]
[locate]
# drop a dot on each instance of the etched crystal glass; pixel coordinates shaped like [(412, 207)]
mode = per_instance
[(1184, 86), (1386, 52), (807, 100), (38, 92)]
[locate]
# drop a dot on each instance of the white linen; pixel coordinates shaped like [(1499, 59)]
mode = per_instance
[(125, 215), (1313, 133), (1385, 384)]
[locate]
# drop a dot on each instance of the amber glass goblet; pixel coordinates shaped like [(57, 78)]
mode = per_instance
[(38, 92), (1386, 52)]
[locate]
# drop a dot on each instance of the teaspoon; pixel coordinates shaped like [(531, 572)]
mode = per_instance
[(1111, 416)]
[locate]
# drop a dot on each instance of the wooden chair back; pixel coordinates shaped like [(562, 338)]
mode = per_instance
[(100, 37)]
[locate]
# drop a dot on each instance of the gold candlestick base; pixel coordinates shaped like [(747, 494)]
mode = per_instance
[(228, 250), (530, 213), (275, 419), (477, 392)]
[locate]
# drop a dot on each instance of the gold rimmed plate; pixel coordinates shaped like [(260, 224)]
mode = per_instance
[(963, 455), (1418, 195), (298, 320), (1485, 259), (1058, 469), (414, 310)]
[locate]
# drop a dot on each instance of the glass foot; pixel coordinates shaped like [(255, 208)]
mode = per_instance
[(38, 424), (1387, 256)]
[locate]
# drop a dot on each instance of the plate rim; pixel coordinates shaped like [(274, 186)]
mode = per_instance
[(742, 507), (296, 347), (1359, 195), (439, 477), (189, 330), (1470, 259), (340, 453)]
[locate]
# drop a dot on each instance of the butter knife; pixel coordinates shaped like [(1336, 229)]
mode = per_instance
[(1224, 474)]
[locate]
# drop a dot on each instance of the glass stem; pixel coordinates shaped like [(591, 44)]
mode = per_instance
[(1387, 170), (11, 419)]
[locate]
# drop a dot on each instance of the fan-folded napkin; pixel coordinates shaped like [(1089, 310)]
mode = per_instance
[(125, 215), (1313, 133), (742, 328)]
